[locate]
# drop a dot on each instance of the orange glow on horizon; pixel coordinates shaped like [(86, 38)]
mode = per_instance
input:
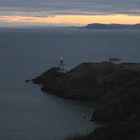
[(73, 19)]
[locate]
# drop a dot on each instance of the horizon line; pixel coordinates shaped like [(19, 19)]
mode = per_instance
[(62, 26)]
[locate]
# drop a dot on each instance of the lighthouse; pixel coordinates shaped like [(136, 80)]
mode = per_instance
[(61, 65)]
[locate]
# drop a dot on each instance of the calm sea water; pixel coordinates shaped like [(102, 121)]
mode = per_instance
[(28, 114)]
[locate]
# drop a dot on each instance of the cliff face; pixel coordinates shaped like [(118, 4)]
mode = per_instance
[(115, 87)]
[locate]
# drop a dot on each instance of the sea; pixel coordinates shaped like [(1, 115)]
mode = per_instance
[(26, 113)]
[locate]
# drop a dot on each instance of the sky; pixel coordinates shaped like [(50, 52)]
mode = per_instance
[(68, 12)]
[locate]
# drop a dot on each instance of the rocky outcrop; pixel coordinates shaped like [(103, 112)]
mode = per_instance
[(99, 82), (116, 89)]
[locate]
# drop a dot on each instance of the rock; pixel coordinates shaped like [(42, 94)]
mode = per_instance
[(27, 81)]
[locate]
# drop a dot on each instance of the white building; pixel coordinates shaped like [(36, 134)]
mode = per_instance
[(61, 65)]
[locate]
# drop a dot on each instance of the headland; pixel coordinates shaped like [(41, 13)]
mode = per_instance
[(115, 88)]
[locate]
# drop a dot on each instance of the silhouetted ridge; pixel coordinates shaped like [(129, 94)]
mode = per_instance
[(112, 26)]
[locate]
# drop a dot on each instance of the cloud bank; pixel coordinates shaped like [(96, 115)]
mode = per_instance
[(45, 8)]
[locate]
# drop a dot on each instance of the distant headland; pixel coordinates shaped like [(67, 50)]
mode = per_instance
[(115, 88), (112, 26)]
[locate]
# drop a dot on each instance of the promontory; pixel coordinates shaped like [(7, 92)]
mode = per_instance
[(114, 87)]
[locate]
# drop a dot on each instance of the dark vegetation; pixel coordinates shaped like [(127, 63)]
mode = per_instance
[(116, 89)]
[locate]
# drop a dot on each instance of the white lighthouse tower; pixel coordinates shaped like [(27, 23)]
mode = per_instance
[(61, 65)]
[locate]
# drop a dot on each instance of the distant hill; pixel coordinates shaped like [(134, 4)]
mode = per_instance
[(112, 26)]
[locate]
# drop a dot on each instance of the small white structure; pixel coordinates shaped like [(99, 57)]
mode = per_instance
[(61, 66)]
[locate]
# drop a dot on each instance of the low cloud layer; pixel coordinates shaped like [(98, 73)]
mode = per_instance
[(45, 8)]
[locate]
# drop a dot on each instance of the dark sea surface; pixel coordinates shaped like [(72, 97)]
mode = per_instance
[(26, 113)]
